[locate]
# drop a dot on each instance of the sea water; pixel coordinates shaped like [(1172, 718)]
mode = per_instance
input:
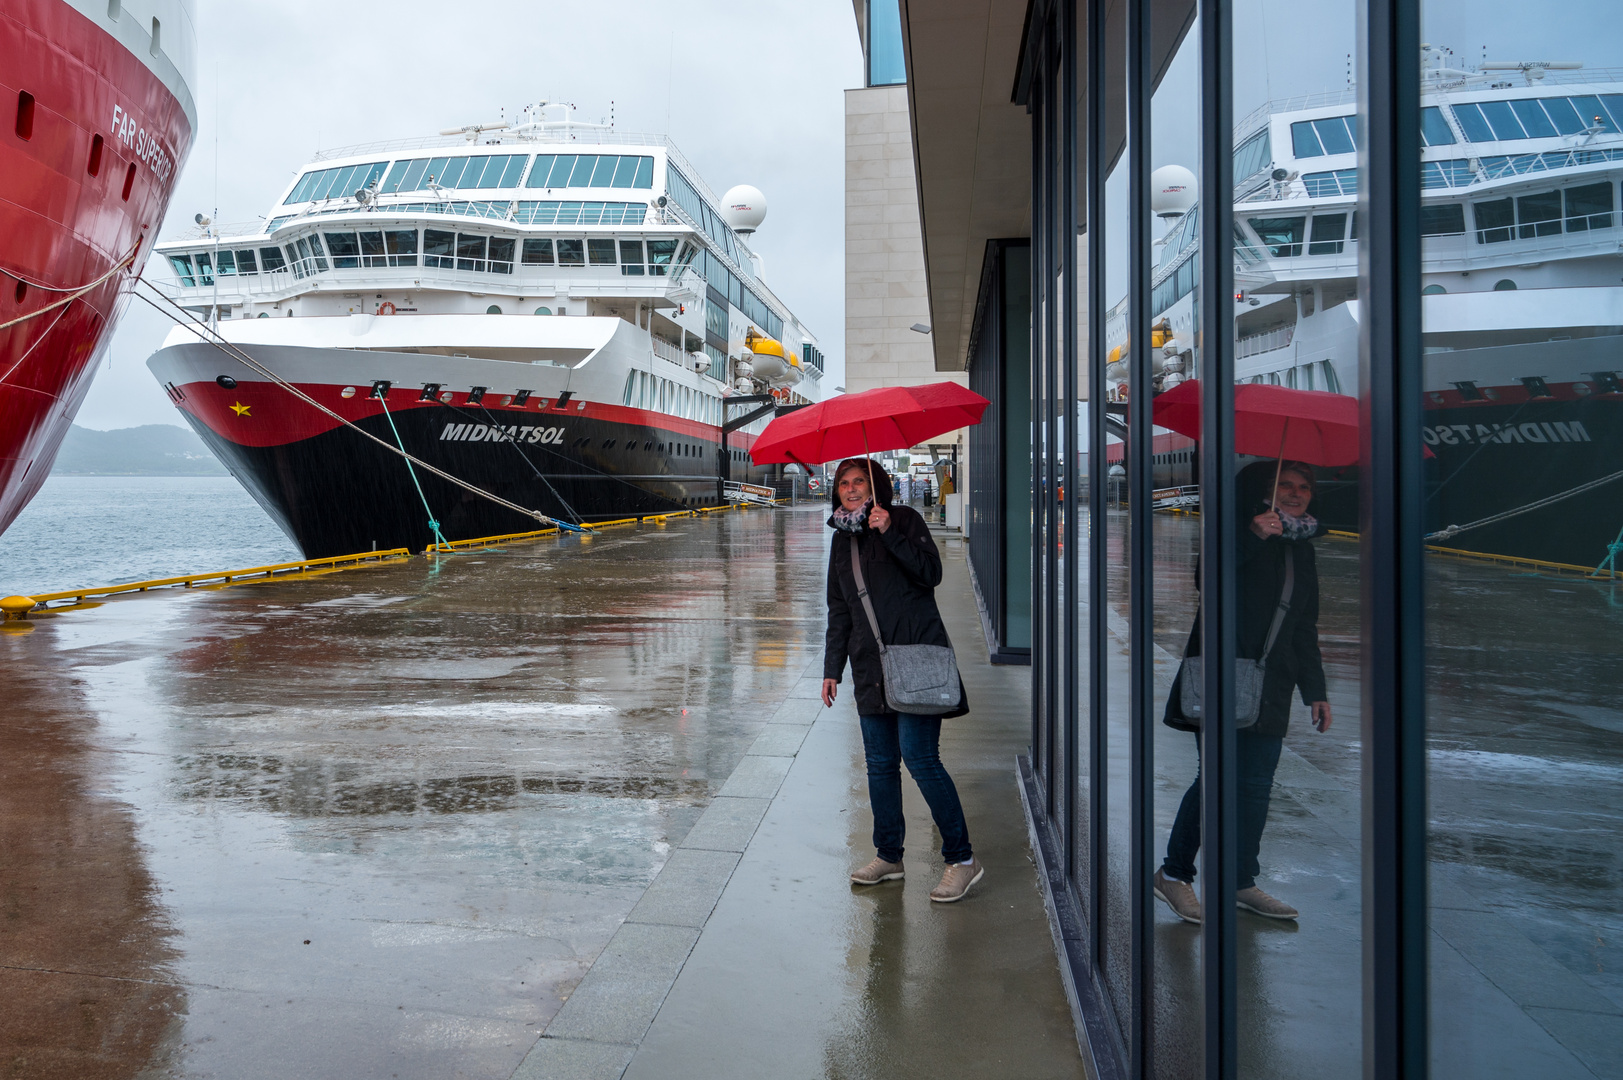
[(108, 530)]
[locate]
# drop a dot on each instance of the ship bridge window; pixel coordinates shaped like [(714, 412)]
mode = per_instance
[(1533, 118), (227, 263), (1494, 220), (571, 253), (1253, 156), (660, 253), (1445, 220), (600, 252), (271, 259), (1323, 184), (591, 170), (372, 253), (402, 246), (537, 252), (439, 248), (470, 252), (205, 268), (1589, 207), (1281, 236), (340, 182), (182, 265), (580, 213), (631, 258), (1434, 129), (1315, 138), (346, 252), (1594, 114), (1328, 233), (1538, 215), (501, 254), (246, 263)]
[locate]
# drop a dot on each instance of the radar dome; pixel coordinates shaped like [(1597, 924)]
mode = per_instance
[(1172, 191), (744, 207)]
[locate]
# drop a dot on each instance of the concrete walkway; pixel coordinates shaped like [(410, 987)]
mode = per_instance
[(792, 971)]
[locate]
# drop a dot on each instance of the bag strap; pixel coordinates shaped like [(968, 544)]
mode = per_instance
[(862, 593), (1284, 601)]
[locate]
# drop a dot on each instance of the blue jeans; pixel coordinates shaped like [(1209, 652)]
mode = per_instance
[(888, 739), (1256, 758)]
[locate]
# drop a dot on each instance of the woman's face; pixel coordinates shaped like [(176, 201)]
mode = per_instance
[(1293, 492), (853, 489)]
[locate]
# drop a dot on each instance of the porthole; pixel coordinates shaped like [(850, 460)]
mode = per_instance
[(493, 309), (1504, 285), (1433, 290), (543, 311)]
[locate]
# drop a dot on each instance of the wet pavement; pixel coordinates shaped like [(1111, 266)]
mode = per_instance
[(400, 821)]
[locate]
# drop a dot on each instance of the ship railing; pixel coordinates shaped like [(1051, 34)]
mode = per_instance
[(666, 351), (1267, 341)]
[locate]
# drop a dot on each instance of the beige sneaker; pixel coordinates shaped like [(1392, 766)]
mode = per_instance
[(955, 882), (1254, 899), (1179, 896), (877, 871)]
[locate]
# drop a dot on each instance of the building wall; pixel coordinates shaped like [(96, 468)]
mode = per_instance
[(885, 287)]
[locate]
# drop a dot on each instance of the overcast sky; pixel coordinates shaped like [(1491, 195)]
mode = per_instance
[(751, 92)]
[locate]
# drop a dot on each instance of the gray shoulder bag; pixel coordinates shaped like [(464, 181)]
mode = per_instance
[(1248, 674), (919, 679)]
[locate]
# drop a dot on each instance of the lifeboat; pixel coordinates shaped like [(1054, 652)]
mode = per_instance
[(771, 361)]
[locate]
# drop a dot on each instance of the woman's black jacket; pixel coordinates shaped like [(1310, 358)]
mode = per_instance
[(1295, 662), (902, 568)]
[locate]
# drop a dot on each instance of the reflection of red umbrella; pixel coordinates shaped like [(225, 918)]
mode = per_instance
[(1314, 426), (852, 425)]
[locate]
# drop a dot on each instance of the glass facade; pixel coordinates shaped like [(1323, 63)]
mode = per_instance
[(886, 64), (1360, 429)]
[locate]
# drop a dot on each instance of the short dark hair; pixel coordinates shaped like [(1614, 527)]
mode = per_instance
[(878, 479)]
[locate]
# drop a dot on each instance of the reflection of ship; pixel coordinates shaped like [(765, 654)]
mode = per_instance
[(1523, 310), (414, 273), (101, 118)]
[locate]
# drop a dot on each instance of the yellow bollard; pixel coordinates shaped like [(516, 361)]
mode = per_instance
[(17, 607)]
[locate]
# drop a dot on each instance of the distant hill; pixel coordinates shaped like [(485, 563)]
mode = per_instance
[(149, 450)]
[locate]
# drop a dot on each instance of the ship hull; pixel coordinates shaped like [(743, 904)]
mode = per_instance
[(85, 190), (333, 491)]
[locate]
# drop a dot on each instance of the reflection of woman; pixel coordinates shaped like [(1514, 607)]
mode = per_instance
[(901, 568), (1274, 530)]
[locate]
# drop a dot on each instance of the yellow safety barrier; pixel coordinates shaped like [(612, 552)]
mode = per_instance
[(484, 541), (226, 577)]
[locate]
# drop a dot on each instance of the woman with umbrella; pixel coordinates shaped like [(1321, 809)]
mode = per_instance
[(1276, 573), (900, 568)]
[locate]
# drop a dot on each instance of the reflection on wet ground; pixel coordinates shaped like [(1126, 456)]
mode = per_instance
[(377, 823), (1527, 805)]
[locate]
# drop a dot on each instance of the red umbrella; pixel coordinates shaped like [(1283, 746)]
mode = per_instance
[(852, 425), (1314, 426)]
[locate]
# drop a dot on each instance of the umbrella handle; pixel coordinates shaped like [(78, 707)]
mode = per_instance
[(1273, 496)]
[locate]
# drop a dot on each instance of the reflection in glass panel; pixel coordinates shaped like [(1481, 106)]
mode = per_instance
[(1523, 604), (540, 171), (245, 262), (581, 174), (470, 252), (501, 254), (571, 252), (439, 248), (271, 259), (345, 251), (412, 180), (451, 174), (402, 246), (397, 173), (435, 171), (473, 172), (372, 253), (537, 252), (600, 251), (645, 173)]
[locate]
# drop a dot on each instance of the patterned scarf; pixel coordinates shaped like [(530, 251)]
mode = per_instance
[(852, 521), (1298, 528)]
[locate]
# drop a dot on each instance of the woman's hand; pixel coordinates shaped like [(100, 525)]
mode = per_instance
[(1267, 524), (831, 690), (879, 518), (1321, 714)]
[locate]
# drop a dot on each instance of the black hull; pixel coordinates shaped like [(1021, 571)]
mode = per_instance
[(338, 493), (1489, 459)]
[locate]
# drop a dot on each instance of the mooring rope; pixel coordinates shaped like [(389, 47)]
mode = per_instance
[(439, 537), (1455, 530), (71, 297), (229, 349)]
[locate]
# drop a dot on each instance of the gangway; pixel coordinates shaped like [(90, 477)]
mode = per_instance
[(734, 491)]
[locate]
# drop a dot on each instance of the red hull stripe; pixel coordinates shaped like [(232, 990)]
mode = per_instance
[(263, 414)]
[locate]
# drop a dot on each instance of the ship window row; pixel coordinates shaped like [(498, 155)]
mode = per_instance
[(580, 213), (440, 248), (645, 390), (1179, 242), (1479, 122), (474, 171), (1545, 213), (1177, 285)]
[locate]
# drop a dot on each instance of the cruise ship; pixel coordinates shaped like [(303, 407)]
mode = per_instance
[(1523, 307), (553, 311), (101, 120)]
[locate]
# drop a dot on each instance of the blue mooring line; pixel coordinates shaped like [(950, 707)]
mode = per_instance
[(439, 537)]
